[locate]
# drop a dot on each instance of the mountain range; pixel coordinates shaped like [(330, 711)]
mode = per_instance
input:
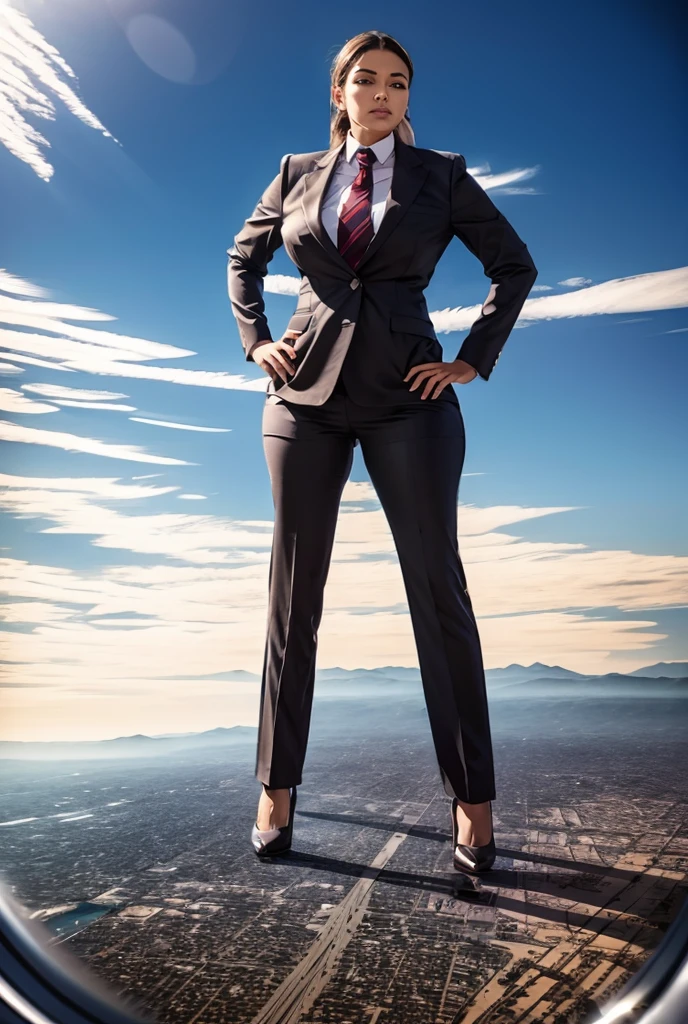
[(662, 680)]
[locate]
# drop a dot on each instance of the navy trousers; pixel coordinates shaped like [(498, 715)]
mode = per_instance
[(414, 454)]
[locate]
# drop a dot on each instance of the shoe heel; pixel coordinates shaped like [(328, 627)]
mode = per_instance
[(455, 826), (290, 824)]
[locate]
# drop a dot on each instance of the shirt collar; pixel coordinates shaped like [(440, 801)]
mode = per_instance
[(381, 149)]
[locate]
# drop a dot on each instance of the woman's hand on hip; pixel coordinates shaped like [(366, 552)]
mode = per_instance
[(440, 375), (275, 356)]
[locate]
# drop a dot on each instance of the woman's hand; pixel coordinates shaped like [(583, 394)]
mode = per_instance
[(270, 356), (441, 375)]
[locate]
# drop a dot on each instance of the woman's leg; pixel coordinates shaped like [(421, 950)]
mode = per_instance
[(309, 455), (416, 472)]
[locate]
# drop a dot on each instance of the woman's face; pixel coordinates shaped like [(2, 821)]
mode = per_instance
[(378, 79)]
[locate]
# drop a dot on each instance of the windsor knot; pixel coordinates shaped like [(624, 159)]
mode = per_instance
[(365, 157)]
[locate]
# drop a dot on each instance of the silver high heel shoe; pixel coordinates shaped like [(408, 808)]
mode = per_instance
[(274, 840), (473, 859)]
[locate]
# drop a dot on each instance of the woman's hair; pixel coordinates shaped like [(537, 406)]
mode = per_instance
[(342, 64)]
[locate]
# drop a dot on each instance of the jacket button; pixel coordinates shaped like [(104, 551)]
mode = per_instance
[(354, 283)]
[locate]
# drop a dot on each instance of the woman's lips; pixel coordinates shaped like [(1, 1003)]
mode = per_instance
[(382, 113)]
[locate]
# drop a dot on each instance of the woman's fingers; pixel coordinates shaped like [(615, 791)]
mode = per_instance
[(277, 359), (273, 361), (284, 361)]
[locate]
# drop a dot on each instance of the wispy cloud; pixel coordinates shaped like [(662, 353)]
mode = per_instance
[(75, 443), (575, 282), (15, 401), (663, 289), (33, 361), (54, 343), (103, 406), (505, 183), (75, 398), (97, 487), (180, 426), (61, 391), (18, 286), (32, 75), (84, 346)]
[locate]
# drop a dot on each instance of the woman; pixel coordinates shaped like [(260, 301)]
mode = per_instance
[(365, 222)]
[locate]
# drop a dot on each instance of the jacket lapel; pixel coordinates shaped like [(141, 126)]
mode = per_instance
[(407, 178), (315, 185)]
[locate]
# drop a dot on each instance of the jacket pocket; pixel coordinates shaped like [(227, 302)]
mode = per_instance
[(299, 320), (406, 324)]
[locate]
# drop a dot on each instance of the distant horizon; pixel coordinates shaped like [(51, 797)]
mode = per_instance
[(252, 723)]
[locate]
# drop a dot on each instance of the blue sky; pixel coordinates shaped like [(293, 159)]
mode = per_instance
[(136, 505)]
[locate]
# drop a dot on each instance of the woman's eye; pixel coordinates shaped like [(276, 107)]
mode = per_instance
[(360, 81)]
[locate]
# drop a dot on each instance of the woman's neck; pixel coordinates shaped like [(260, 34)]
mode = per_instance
[(366, 137)]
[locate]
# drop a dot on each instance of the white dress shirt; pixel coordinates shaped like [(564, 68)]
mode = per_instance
[(347, 168)]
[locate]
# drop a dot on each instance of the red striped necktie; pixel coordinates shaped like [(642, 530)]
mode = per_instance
[(355, 230)]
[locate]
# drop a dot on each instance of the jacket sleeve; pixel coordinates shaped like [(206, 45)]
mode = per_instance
[(505, 259), (248, 260)]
